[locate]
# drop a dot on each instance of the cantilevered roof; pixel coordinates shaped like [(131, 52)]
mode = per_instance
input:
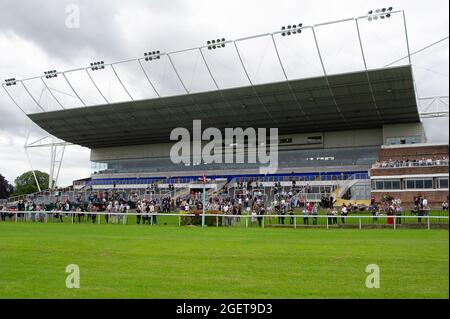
[(338, 102)]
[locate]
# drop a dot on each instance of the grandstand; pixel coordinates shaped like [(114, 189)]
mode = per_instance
[(331, 128)]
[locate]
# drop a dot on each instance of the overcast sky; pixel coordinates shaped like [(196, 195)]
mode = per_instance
[(34, 37)]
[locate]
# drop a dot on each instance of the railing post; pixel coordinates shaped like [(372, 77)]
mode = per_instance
[(246, 222), (295, 222), (16, 216), (395, 223), (179, 221), (360, 226), (429, 226), (263, 223), (328, 223)]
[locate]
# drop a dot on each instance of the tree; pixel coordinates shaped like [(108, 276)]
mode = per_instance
[(5, 188), (26, 184)]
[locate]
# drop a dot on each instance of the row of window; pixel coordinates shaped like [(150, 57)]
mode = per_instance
[(410, 183)]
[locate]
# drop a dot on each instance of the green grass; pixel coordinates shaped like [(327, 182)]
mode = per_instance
[(131, 261)]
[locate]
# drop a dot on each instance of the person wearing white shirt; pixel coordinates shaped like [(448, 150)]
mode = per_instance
[(344, 213)]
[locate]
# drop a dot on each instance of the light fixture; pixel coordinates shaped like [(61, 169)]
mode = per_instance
[(153, 55), (379, 13), (215, 44), (97, 65), (51, 74), (291, 29), (9, 82)]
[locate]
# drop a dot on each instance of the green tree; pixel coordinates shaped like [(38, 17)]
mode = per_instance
[(26, 184), (5, 188)]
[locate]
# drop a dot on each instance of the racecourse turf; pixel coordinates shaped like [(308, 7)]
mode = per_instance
[(143, 261)]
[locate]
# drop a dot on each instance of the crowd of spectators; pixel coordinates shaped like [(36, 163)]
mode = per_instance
[(430, 161)]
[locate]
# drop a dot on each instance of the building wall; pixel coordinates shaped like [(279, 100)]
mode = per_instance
[(403, 131), (353, 138)]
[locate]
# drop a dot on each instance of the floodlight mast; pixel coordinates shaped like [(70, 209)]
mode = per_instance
[(219, 43), (205, 46)]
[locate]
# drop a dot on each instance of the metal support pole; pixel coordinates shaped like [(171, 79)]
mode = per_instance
[(32, 97), (121, 83), (395, 222), (12, 99), (360, 226), (93, 82), (203, 205), (251, 83), (73, 90), (51, 93), (325, 73), (246, 222), (148, 78), (327, 224), (429, 226), (34, 173), (407, 38)]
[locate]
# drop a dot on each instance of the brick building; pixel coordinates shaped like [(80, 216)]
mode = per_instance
[(407, 171)]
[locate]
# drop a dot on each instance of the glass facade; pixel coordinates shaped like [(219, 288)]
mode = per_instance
[(286, 159), (418, 183), (389, 184), (442, 183), (403, 140)]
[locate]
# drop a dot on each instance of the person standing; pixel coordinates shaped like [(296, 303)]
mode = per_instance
[(344, 213), (138, 212)]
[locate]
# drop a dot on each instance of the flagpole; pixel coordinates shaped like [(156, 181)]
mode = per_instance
[(204, 201)]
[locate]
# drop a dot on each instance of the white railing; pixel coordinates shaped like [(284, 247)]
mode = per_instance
[(314, 218)]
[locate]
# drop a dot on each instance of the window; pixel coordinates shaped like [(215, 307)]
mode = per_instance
[(387, 184), (443, 183), (419, 183), (403, 140)]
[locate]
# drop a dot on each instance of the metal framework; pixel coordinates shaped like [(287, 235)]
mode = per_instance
[(57, 149), (206, 64), (434, 107)]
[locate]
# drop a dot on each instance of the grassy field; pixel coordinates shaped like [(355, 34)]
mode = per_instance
[(137, 261)]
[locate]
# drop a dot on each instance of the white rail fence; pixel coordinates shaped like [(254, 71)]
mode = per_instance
[(248, 218)]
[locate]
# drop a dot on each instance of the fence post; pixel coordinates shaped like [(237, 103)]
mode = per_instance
[(16, 216), (295, 222), (429, 222), (327, 224), (360, 226), (151, 219), (72, 217), (246, 222), (263, 222), (395, 223), (179, 221)]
